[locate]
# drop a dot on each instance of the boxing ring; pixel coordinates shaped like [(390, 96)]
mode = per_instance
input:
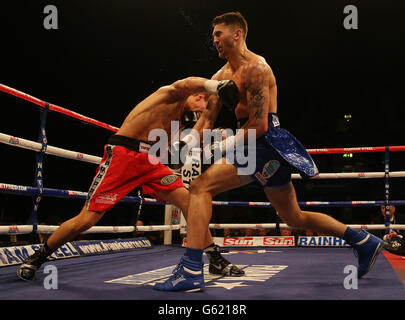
[(277, 268)]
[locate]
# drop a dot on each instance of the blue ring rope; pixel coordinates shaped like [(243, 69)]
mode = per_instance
[(59, 193)]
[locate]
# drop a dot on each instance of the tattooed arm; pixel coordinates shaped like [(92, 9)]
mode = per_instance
[(255, 84), (255, 79)]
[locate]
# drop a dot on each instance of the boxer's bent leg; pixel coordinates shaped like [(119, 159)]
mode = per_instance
[(365, 244), (284, 201), (181, 199), (71, 228), (216, 179), (189, 274), (66, 232)]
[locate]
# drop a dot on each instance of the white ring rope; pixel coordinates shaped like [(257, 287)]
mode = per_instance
[(47, 229), (55, 151), (283, 225), (26, 229)]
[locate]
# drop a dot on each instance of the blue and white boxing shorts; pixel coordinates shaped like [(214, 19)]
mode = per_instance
[(275, 153)]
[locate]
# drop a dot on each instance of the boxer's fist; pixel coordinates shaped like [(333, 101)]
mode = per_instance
[(209, 151), (177, 154), (219, 134), (189, 119), (229, 93)]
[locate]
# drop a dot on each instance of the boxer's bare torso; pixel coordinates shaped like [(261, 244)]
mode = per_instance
[(155, 112), (250, 72)]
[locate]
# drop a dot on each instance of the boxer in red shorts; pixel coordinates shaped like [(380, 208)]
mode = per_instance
[(122, 169), (127, 163)]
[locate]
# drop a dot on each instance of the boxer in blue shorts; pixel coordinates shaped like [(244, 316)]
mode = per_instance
[(276, 151)]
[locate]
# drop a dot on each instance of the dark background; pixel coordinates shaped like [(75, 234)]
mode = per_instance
[(106, 56)]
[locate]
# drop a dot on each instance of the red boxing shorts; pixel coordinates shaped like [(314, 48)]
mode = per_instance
[(122, 170)]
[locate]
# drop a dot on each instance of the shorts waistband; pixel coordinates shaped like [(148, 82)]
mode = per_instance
[(273, 120), (129, 143)]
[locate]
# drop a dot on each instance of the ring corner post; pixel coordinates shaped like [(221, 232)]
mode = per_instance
[(38, 182), (387, 189)]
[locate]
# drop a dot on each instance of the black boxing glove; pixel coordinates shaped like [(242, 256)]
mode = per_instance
[(229, 94), (189, 119), (177, 154), (227, 91)]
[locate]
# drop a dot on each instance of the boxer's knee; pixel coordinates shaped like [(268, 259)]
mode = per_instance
[(296, 219), (86, 219), (198, 186)]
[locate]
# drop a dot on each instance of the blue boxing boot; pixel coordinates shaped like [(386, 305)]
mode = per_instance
[(187, 276), (366, 246)]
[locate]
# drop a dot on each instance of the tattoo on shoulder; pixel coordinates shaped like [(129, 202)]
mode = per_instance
[(255, 80)]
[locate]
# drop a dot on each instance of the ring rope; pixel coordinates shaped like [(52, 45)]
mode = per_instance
[(284, 225), (58, 193), (56, 108), (55, 151), (27, 229), (74, 155), (50, 192), (48, 229), (354, 150)]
